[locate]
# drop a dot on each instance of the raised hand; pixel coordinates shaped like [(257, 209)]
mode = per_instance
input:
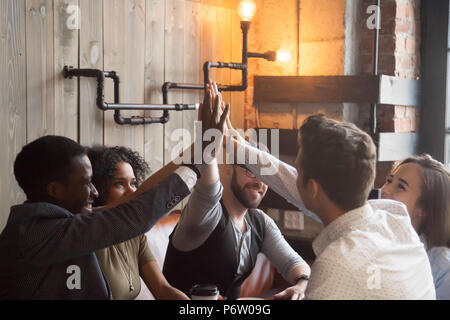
[(213, 118), (211, 113)]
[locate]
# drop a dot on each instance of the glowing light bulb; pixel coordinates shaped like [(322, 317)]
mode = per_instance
[(283, 55), (246, 10)]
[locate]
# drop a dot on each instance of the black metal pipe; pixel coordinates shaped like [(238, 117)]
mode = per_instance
[(152, 107), (70, 72), (373, 106), (206, 69), (245, 26), (269, 55), (238, 66), (172, 85), (135, 120), (243, 66)]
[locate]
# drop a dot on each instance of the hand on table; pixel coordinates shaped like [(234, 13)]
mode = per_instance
[(292, 293)]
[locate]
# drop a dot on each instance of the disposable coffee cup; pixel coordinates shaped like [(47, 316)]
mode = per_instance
[(204, 292)]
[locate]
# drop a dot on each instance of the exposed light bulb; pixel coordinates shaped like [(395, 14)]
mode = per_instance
[(283, 55), (246, 10)]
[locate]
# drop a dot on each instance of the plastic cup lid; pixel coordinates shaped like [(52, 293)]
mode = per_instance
[(204, 290)]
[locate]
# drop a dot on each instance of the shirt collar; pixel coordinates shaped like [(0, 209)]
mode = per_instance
[(339, 226), (247, 226), (423, 239)]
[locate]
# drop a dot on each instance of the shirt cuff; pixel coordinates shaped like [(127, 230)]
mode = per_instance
[(188, 176)]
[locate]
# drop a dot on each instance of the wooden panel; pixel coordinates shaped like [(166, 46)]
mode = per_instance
[(124, 47), (219, 3), (40, 69), (396, 146), (66, 53), (174, 70), (12, 100), (237, 98), (208, 37), (276, 115), (192, 66), (154, 79), (316, 89), (91, 56), (330, 89), (192, 70), (223, 47)]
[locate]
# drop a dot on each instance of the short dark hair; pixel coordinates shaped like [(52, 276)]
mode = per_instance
[(434, 199), (340, 157), (104, 162), (45, 160)]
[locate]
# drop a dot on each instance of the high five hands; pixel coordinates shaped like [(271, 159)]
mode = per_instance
[(213, 115)]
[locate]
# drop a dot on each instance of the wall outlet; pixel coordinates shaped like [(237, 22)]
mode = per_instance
[(294, 220)]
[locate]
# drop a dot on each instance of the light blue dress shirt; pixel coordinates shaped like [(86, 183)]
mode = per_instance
[(440, 268)]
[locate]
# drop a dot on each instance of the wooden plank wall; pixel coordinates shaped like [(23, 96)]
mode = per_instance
[(13, 117), (147, 42)]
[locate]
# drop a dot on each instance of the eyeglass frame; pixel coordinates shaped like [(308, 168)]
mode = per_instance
[(248, 173)]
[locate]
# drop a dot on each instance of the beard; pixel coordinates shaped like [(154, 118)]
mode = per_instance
[(240, 193)]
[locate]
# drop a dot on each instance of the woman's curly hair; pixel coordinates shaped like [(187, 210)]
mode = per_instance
[(104, 161)]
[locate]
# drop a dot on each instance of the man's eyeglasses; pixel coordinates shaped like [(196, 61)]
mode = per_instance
[(247, 172)]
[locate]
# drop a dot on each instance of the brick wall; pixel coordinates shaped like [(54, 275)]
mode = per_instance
[(399, 55), (313, 33), (320, 50)]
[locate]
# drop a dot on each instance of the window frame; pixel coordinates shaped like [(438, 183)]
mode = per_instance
[(434, 132)]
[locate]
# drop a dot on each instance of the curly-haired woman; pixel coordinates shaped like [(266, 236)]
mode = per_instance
[(117, 171)]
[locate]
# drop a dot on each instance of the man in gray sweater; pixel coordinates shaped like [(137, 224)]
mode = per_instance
[(220, 233)]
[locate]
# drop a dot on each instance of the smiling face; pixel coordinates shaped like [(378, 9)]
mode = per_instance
[(78, 192), (123, 183), (247, 188), (404, 185)]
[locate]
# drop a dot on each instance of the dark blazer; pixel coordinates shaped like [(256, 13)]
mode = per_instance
[(45, 249)]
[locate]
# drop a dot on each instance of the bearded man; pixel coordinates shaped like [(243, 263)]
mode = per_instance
[(220, 233)]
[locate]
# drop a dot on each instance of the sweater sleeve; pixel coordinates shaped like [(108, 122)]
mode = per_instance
[(278, 250), (199, 217), (55, 235)]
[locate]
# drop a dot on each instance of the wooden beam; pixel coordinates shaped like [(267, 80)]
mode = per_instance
[(379, 89), (396, 146)]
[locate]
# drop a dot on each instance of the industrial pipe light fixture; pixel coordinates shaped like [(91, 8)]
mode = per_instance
[(246, 10)]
